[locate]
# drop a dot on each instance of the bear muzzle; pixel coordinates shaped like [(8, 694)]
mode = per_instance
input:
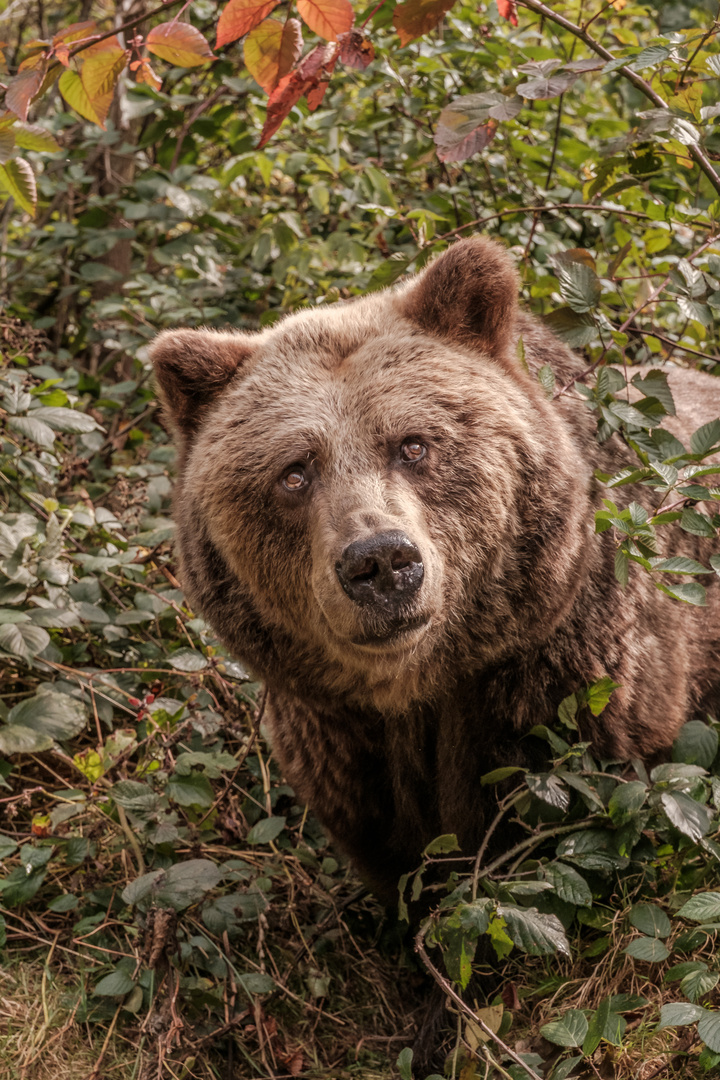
[(383, 573)]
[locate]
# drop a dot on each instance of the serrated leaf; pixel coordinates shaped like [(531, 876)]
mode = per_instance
[(266, 830), (569, 1030), (680, 564), (549, 788), (690, 817), (598, 694), (25, 640), (574, 328), (18, 739), (239, 17), (652, 950), (271, 49), (709, 1030), (178, 887), (36, 430), (702, 908), (650, 920), (605, 1024), (579, 284), (698, 983), (327, 18), (678, 1014), (21, 90), (544, 88), (417, 17), (7, 144), (188, 660), (74, 93), (626, 800), (655, 384), (569, 885), (18, 179), (179, 43), (58, 716), (69, 420), (705, 437), (534, 932), (35, 137), (99, 75), (696, 744)]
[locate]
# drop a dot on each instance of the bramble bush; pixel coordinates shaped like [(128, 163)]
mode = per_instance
[(153, 858)]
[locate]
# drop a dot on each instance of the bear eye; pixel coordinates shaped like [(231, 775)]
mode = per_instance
[(295, 478), (412, 450)]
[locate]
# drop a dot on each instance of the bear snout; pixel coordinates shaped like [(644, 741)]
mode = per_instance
[(382, 571)]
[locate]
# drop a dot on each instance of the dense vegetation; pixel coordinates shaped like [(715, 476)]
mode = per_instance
[(165, 899)]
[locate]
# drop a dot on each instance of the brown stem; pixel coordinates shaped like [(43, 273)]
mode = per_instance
[(447, 987), (130, 25), (638, 82)]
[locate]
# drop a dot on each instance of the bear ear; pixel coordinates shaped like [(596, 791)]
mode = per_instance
[(191, 368), (468, 293)]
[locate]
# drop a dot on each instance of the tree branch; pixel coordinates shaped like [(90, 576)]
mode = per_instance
[(638, 82)]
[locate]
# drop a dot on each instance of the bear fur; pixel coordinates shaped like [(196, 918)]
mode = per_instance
[(293, 450)]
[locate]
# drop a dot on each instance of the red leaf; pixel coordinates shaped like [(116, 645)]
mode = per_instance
[(239, 17), (508, 10), (327, 18), (76, 32), (416, 17), (356, 50), (21, 90), (452, 146), (510, 996), (271, 49), (180, 44), (312, 74)]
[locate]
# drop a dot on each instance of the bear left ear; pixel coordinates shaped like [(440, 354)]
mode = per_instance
[(468, 293), (191, 368)]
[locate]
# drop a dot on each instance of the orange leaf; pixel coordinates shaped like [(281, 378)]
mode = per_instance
[(145, 74), (239, 17), (327, 18), (271, 49), (101, 47), (508, 10), (62, 53), (180, 44), (101, 72), (76, 31), (416, 17), (310, 78), (21, 90), (72, 89), (356, 50)]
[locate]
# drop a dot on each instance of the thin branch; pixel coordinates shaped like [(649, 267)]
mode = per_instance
[(638, 82), (447, 987)]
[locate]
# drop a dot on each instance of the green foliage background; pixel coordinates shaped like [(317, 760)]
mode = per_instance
[(135, 781)]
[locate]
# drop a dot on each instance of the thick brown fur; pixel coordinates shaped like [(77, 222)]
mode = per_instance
[(387, 738)]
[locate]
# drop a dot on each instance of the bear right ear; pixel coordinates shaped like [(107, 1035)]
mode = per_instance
[(191, 368)]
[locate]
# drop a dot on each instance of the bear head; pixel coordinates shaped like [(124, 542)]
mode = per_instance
[(373, 495)]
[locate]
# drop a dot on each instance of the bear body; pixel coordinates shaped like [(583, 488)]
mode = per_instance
[(379, 509)]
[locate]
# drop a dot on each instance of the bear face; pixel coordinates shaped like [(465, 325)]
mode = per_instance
[(388, 492)]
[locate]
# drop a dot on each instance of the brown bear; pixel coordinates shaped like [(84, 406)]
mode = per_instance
[(379, 509)]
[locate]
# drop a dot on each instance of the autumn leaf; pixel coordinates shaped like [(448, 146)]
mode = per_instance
[(7, 144), (416, 17), (454, 147), (180, 44), (100, 73), (309, 78), (76, 32), (508, 10), (271, 49), (72, 89), (356, 50), (239, 17), (144, 73), (327, 18), (18, 179), (21, 90), (34, 137)]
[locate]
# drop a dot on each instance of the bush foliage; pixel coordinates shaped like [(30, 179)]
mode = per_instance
[(152, 855)]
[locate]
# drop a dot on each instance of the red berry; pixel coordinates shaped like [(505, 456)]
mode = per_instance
[(133, 701), (149, 698)]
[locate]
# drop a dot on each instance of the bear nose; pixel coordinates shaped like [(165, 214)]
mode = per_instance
[(381, 570)]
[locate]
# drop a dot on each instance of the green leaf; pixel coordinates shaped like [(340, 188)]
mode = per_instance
[(650, 920), (695, 523), (192, 790), (579, 284), (498, 775), (549, 788), (117, 984), (689, 593), (570, 1030), (18, 739), (441, 845), (563, 1068), (696, 744), (702, 908), (546, 378), (605, 1025), (25, 640), (58, 716), (569, 885), (404, 1064), (35, 430), (680, 564), (18, 179), (698, 983), (574, 328), (535, 933), (649, 949), (688, 816), (598, 694), (34, 137), (70, 420), (705, 437), (678, 1014), (266, 830), (188, 660), (255, 982), (709, 1030), (178, 887), (626, 800)]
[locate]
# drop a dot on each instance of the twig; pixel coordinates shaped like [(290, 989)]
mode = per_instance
[(447, 987), (638, 82)]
